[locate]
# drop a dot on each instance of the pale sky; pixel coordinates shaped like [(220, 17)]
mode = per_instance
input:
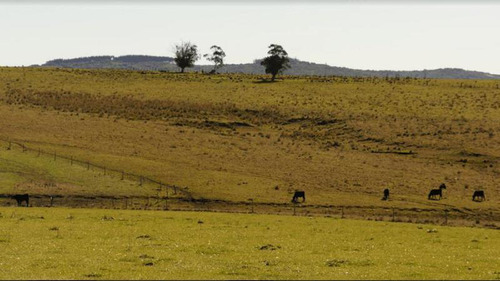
[(384, 35)]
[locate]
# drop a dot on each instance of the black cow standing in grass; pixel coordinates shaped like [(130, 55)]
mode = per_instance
[(20, 198), (299, 194), (386, 194), (478, 194), (437, 192)]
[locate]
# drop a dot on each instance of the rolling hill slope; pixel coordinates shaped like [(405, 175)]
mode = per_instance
[(230, 137)]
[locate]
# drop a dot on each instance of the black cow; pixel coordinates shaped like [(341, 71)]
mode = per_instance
[(20, 198), (386, 194), (437, 192), (479, 194), (299, 194)]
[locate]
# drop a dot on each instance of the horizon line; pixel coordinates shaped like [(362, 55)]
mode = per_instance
[(329, 65)]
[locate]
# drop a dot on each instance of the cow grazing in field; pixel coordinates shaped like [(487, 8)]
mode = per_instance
[(299, 194), (20, 198), (386, 194), (434, 193), (478, 196)]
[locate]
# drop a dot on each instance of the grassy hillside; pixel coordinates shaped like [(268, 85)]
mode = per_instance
[(234, 137), (111, 244), (25, 172)]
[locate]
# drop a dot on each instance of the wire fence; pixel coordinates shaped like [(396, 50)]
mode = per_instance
[(123, 175), (451, 217), (183, 201)]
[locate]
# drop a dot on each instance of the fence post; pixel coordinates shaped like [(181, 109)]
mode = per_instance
[(140, 181), (104, 168), (445, 217), (123, 175), (393, 214), (126, 203), (251, 205), (166, 190), (175, 189), (294, 212), (71, 160), (161, 187), (24, 148), (10, 146), (342, 212), (166, 206), (88, 165)]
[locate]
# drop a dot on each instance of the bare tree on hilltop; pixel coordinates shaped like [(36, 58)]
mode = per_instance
[(185, 55), (277, 61)]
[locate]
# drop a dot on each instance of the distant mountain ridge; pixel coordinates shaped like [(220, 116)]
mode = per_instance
[(136, 62), (298, 67)]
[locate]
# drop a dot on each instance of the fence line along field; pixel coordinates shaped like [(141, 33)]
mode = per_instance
[(54, 181), (43, 171), (118, 244), (232, 138)]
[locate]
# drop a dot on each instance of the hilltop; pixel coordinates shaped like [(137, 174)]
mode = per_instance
[(134, 62), (143, 62)]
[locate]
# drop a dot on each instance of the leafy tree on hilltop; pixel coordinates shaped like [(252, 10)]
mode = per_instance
[(217, 57), (185, 55), (277, 62)]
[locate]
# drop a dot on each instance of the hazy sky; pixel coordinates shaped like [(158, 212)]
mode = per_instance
[(384, 35)]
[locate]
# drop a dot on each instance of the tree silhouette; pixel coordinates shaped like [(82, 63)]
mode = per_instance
[(217, 57), (185, 55), (277, 61)]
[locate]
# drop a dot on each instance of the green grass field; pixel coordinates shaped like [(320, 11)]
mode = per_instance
[(59, 243)]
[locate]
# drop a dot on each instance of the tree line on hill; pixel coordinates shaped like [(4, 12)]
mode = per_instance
[(186, 54), (277, 61)]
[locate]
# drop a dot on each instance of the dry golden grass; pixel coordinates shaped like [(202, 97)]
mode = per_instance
[(342, 140)]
